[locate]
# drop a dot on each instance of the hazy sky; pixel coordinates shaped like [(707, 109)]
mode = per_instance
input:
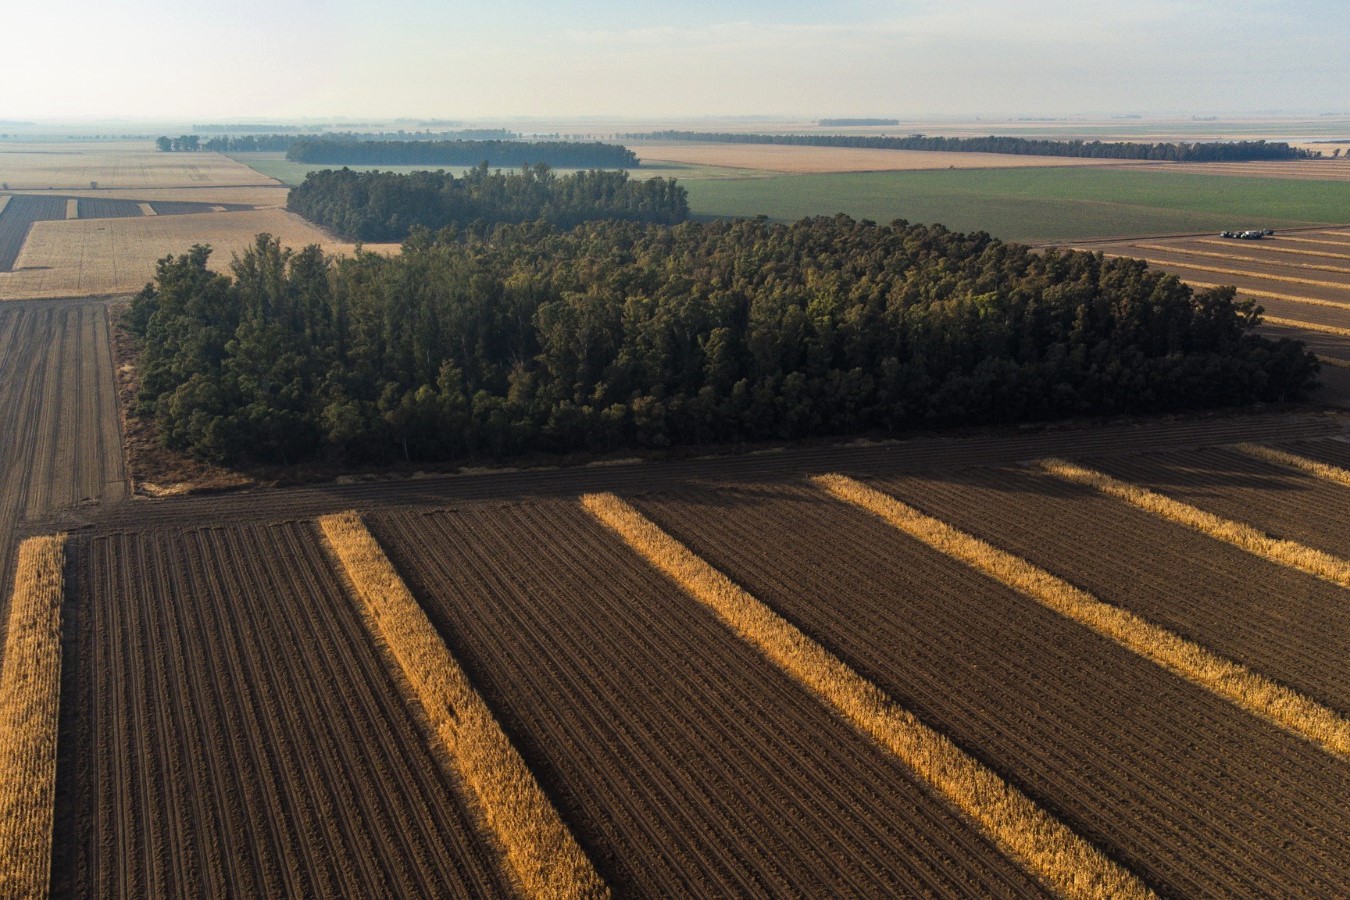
[(292, 58)]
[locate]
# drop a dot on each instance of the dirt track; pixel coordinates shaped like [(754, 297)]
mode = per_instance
[(683, 762), (230, 730), (1193, 795)]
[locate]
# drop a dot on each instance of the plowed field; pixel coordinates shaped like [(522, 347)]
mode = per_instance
[(685, 764), (60, 444), (1192, 794), (234, 732)]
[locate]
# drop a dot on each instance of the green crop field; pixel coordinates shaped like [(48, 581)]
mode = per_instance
[(1051, 204), (1021, 204)]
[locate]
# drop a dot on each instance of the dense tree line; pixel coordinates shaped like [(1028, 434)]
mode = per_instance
[(1218, 151), (384, 206), (283, 142), (243, 143), (615, 334), (510, 154)]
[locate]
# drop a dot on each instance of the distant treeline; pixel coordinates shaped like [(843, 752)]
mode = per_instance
[(1234, 151), (500, 153), (384, 206), (254, 128), (614, 334), (849, 123), (281, 143)]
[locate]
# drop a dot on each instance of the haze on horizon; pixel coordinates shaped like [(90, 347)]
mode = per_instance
[(514, 58)]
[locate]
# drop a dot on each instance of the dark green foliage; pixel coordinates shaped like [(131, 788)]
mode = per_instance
[(384, 206), (616, 334), (560, 154), (1218, 151)]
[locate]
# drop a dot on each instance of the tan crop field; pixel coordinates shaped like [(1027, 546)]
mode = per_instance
[(126, 164), (804, 160), (84, 257)]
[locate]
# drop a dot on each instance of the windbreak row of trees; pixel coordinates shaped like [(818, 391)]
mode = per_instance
[(384, 206), (283, 142), (1219, 151), (616, 335), (560, 154)]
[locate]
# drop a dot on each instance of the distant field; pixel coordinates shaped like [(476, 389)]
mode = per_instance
[(787, 158), (80, 257), (124, 164), (1060, 204)]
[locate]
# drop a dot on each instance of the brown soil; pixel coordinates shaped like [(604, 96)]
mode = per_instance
[(1126, 557), (236, 733), (684, 762), (1187, 791)]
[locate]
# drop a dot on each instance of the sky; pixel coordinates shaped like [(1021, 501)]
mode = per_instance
[(284, 59)]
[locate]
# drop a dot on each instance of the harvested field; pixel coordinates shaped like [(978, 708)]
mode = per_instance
[(117, 164), (543, 857), (785, 158), (101, 208), (110, 256), (60, 448), (234, 731), (682, 761), (18, 217), (1128, 558), (1276, 499), (1123, 752), (1301, 279)]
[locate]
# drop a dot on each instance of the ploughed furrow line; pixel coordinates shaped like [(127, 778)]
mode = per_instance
[(541, 854), (30, 694), (1282, 499), (1268, 248), (1184, 789), (1163, 572), (246, 738), (1246, 689), (683, 762), (1271, 272), (1279, 550), (1183, 252), (1026, 832)]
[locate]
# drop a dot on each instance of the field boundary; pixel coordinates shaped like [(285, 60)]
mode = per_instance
[(538, 849), (30, 695), (1279, 457), (1023, 830), (1290, 554), (1250, 691)]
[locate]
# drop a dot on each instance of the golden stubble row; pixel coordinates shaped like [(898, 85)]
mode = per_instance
[(1310, 326), (1277, 550), (1313, 467), (30, 694), (1235, 257), (1261, 276), (539, 852), (1041, 843), (1248, 690)]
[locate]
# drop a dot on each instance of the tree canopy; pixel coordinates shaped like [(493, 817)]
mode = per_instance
[(617, 334)]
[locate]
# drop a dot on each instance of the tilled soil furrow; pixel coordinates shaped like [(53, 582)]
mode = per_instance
[(1164, 572), (1181, 787), (272, 754), (661, 693), (1281, 501)]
